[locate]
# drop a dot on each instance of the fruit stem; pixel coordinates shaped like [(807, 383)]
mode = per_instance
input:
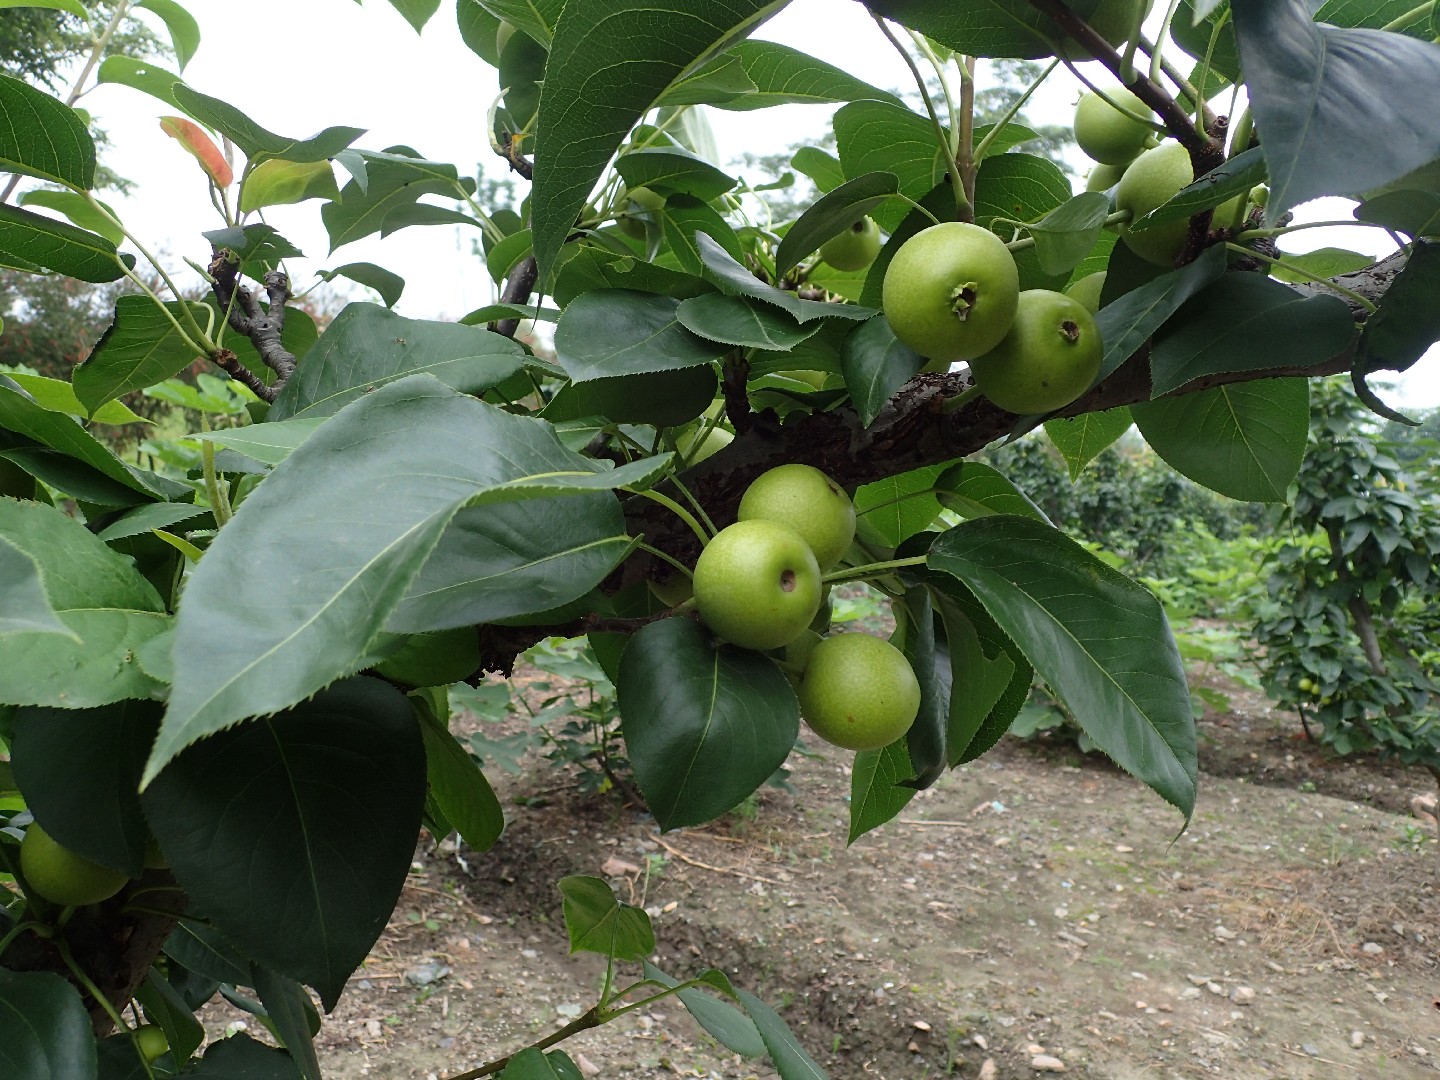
[(1250, 253), (958, 402), (676, 509), (676, 563), (63, 948), (40, 929), (858, 573), (694, 502), (1164, 32)]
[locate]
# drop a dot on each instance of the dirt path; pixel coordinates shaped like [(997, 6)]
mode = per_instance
[(1024, 907)]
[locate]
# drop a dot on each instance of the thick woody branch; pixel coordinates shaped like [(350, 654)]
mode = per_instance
[(518, 287), (246, 316)]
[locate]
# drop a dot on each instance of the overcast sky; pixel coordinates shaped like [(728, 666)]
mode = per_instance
[(299, 67)]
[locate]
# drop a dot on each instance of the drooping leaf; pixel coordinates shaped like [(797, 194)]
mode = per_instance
[(1314, 88), (41, 136), (832, 214), (1408, 320), (876, 364), (309, 894), (1065, 235), (79, 209), (163, 1006), (1127, 324), (610, 332), (704, 724), (596, 56), (1234, 177), (1098, 639), (290, 1010), (415, 452), (180, 24), (985, 671), (733, 278), (1023, 187), (881, 785), (925, 741), (140, 348), (458, 786), (820, 166), (728, 1025), (196, 140), (598, 922), (278, 182), (59, 246), (1244, 440), (254, 141), (368, 346), (788, 1056), (1081, 439), (44, 1029), (1245, 322), (416, 12), (80, 771)]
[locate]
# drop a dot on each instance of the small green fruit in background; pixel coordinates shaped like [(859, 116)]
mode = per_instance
[(1049, 358), (1087, 291), (152, 1042), (950, 291), (757, 584), (59, 875), (855, 248), (639, 204), (805, 499), (695, 449), (1152, 180), (673, 591), (435, 659), (858, 692), (1108, 135)]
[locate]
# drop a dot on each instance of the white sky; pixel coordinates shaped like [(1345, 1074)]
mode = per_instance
[(314, 64)]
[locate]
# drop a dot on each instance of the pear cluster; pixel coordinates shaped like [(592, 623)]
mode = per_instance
[(758, 584), (952, 293)]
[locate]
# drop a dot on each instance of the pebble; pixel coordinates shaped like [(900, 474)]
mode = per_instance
[(1225, 933), (1190, 993), (1311, 1049), (586, 1066), (1034, 1048), (1357, 1039), (1242, 995), (982, 1042), (1373, 948), (1215, 988), (426, 974), (987, 1070), (1046, 1063), (920, 1025), (1198, 980)]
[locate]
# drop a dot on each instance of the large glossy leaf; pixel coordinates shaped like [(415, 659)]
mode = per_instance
[(1342, 110), (1245, 440), (140, 75), (1245, 322), (973, 489), (458, 786), (886, 137), (104, 603), (1234, 177), (788, 1056), (24, 607), (705, 724), (44, 1029), (240, 1057), (596, 56), (1081, 439), (1023, 187), (368, 346), (41, 136), (352, 540), (1098, 639), (786, 76), (80, 771), (496, 562), (1127, 324), (140, 348), (889, 511), (59, 246), (598, 922), (876, 364), (610, 332), (309, 893), (670, 168), (254, 141)]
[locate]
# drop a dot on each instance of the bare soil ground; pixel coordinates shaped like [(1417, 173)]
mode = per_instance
[(1034, 902)]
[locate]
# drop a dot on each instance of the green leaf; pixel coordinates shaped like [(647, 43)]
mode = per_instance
[(1022, 187), (1245, 440), (876, 364), (204, 950), (24, 608), (1245, 322), (820, 166), (1067, 234), (416, 12), (277, 182), (610, 332), (989, 680), (143, 76), (739, 320), (80, 771), (734, 278), (183, 29), (108, 608), (309, 894), (832, 214), (58, 246), (44, 1029), (998, 28), (55, 395), (1415, 213), (1408, 320), (1234, 177), (683, 220), (393, 181), (881, 785), (74, 7), (1081, 439), (597, 922), (534, 17), (785, 76), (1128, 323), (458, 786), (164, 1006), (788, 1056), (368, 346), (1323, 262), (729, 1027), (1098, 639), (78, 208), (533, 1064), (718, 82), (506, 254), (890, 511), (585, 267), (140, 348), (240, 1057), (886, 137), (1316, 89), (415, 452), (925, 741), (41, 136), (704, 724), (254, 141), (142, 519), (596, 56), (670, 168), (973, 489), (259, 247), (269, 443), (290, 1009)]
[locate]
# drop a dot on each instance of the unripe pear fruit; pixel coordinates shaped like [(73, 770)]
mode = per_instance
[(1108, 135), (1050, 357)]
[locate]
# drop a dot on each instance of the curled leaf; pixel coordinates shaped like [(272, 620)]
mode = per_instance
[(193, 138)]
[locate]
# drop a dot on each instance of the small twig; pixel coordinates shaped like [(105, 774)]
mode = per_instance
[(1309, 1057), (716, 869), (245, 315), (230, 363), (518, 161)]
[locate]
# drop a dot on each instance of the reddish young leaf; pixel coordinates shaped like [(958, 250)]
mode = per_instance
[(192, 136)]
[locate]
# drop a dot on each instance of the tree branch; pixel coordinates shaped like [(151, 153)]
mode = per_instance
[(518, 287), (245, 316)]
